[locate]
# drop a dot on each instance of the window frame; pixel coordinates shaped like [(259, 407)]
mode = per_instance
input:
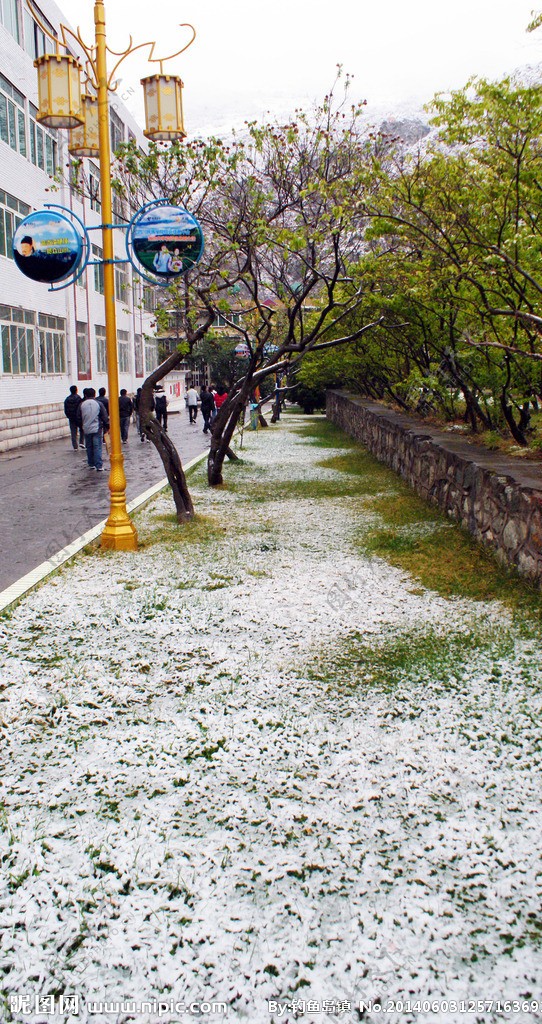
[(17, 326), (13, 123), (13, 21), (101, 348), (52, 345), (10, 208), (82, 344), (123, 350), (99, 283)]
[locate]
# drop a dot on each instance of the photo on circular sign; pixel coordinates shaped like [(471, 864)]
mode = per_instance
[(47, 247), (167, 240)]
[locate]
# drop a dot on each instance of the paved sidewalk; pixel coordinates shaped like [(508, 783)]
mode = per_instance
[(48, 497)]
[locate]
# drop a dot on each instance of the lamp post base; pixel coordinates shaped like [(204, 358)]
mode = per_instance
[(119, 535)]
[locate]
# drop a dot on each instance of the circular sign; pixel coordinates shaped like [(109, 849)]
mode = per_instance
[(47, 246), (167, 240)]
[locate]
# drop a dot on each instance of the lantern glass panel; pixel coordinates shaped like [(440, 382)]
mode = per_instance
[(163, 107), (59, 90), (84, 140)]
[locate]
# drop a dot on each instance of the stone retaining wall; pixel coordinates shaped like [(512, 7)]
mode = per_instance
[(32, 425), (498, 499)]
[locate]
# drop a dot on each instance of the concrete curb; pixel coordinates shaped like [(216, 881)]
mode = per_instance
[(21, 587)]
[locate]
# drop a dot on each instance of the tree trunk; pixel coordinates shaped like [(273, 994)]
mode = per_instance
[(525, 418), (220, 444), (276, 407), (470, 412), (173, 467), (515, 429), (168, 454)]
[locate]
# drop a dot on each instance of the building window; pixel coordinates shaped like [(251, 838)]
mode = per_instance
[(175, 322), (76, 167), (139, 366), (43, 144), (50, 154), (52, 332), (36, 42), (227, 321), (83, 351), (117, 131), (10, 208), (9, 18), (98, 254), (122, 283), (101, 349), (12, 116), (119, 209), (123, 344), (149, 298), (94, 187), (18, 340), (151, 354)]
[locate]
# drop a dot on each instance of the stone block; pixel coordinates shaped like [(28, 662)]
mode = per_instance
[(511, 535), (528, 565)]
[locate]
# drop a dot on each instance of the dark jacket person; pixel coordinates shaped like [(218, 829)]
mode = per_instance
[(71, 405), (126, 408)]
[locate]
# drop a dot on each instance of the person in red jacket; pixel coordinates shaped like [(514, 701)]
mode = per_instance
[(220, 397)]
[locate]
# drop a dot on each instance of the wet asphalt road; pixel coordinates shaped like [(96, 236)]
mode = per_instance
[(48, 496)]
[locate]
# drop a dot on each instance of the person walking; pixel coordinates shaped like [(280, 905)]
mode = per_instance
[(137, 400), (126, 408), (137, 407), (71, 405), (103, 400), (160, 405), (192, 403), (207, 408), (93, 418), (220, 397), (213, 391)]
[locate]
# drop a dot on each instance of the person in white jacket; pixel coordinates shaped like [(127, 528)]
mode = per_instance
[(192, 403)]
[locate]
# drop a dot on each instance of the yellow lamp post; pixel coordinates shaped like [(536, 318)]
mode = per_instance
[(119, 532), (63, 106)]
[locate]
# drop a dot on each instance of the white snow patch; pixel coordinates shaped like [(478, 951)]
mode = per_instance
[(194, 807)]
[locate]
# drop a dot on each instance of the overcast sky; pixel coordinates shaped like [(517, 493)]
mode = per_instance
[(249, 58)]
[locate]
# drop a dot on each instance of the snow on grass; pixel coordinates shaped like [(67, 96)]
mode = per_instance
[(253, 765)]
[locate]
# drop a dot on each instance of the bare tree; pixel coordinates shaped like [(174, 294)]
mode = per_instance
[(280, 211)]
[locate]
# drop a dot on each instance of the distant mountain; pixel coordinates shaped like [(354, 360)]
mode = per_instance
[(408, 130), (530, 74), (407, 122)]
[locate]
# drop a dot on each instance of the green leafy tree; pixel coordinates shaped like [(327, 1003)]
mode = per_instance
[(455, 235)]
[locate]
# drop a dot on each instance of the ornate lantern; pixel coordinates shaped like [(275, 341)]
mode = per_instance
[(84, 140), (163, 107), (59, 89)]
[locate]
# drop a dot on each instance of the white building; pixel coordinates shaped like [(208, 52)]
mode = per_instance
[(51, 340)]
